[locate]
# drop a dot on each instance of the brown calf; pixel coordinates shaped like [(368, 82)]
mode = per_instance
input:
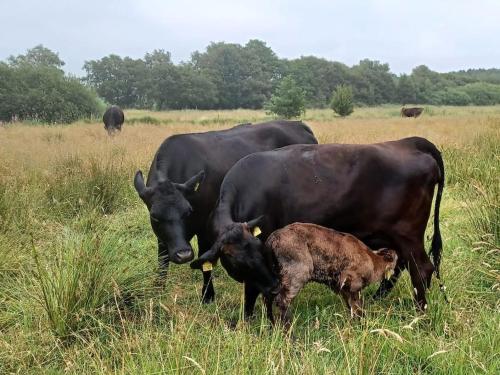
[(309, 252)]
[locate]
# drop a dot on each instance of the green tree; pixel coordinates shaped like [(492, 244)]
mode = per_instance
[(196, 89), (37, 56), (405, 90), (244, 76), (372, 82), (288, 101), (342, 100), (121, 81), (318, 77), (162, 80)]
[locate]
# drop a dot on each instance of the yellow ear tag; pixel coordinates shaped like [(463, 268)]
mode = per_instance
[(196, 186), (256, 231), (207, 266)]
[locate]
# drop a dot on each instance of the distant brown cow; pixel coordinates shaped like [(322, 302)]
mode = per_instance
[(309, 252), (411, 112)]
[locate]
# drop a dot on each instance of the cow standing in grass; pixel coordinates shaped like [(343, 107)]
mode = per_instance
[(381, 193), (411, 112), (113, 119), (185, 177)]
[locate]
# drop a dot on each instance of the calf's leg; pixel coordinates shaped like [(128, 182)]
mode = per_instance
[(292, 282), (353, 302)]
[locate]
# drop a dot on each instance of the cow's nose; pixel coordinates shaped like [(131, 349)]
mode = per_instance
[(183, 256)]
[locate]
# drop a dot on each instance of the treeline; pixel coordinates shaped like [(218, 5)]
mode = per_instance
[(227, 76), (34, 87), (224, 76)]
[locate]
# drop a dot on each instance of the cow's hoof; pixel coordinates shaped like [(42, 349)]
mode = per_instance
[(208, 298)]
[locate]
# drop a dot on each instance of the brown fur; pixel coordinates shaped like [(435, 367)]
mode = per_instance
[(309, 252)]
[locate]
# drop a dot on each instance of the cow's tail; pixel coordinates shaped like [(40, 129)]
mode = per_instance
[(437, 242)]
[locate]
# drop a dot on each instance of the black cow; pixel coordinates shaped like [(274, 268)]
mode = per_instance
[(381, 193), (113, 119), (411, 112), (184, 180)]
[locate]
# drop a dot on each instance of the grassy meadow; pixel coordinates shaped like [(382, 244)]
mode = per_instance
[(78, 260)]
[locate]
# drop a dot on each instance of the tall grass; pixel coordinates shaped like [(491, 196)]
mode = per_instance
[(78, 262), (84, 276), (75, 186)]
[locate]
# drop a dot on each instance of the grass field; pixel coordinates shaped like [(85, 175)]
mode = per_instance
[(78, 258)]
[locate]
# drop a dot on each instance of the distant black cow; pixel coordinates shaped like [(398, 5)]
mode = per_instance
[(184, 180), (113, 119), (411, 112), (381, 193)]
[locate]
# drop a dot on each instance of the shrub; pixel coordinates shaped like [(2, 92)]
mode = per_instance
[(453, 96), (342, 100), (37, 91), (482, 93), (288, 100)]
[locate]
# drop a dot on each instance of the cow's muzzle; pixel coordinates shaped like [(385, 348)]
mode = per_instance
[(182, 256)]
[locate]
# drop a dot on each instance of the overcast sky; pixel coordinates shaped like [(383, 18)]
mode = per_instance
[(442, 34)]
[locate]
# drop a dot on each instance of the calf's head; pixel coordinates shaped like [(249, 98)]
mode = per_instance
[(243, 256), (170, 212), (389, 259)]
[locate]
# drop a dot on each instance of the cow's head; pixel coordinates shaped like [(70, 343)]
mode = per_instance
[(170, 211), (243, 256)]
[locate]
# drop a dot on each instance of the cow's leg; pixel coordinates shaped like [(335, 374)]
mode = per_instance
[(420, 268), (163, 261), (251, 294), (387, 285), (207, 291)]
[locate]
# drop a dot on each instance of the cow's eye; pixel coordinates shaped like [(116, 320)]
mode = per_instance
[(154, 219)]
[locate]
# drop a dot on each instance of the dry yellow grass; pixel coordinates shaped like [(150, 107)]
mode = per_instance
[(38, 147)]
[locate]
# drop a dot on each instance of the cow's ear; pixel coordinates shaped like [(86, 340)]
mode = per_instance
[(143, 191), (253, 225), (193, 184)]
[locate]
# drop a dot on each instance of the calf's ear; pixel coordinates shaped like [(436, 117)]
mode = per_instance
[(386, 254), (193, 184)]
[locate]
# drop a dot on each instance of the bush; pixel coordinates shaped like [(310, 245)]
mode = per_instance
[(483, 93), (34, 91), (342, 101), (288, 100), (451, 96)]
